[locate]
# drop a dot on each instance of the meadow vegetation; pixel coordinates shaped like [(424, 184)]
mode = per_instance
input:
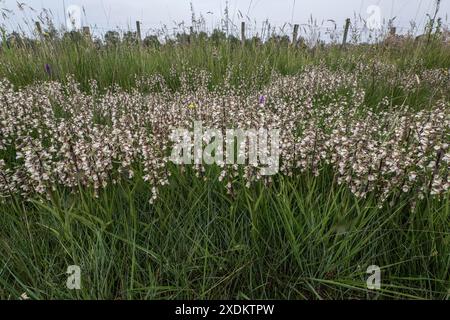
[(85, 177)]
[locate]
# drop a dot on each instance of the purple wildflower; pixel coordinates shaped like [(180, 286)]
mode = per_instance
[(262, 99), (48, 69)]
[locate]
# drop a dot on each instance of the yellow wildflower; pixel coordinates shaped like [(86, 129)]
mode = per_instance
[(192, 105)]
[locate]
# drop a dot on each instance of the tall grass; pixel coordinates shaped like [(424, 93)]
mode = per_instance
[(301, 238), (120, 63)]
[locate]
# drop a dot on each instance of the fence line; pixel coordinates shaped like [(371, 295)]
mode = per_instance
[(295, 32)]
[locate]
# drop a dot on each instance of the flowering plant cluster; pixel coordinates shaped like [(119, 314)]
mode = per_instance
[(54, 134)]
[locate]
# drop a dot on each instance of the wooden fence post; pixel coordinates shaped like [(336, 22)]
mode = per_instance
[(347, 25), (392, 31), (39, 29), (243, 32), (138, 31), (87, 32), (191, 34), (295, 35)]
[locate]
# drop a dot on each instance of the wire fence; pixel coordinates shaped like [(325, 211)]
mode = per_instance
[(265, 30), (312, 32)]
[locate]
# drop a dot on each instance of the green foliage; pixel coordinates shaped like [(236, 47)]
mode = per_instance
[(300, 238)]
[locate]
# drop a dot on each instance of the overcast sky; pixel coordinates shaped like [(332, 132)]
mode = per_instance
[(109, 14)]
